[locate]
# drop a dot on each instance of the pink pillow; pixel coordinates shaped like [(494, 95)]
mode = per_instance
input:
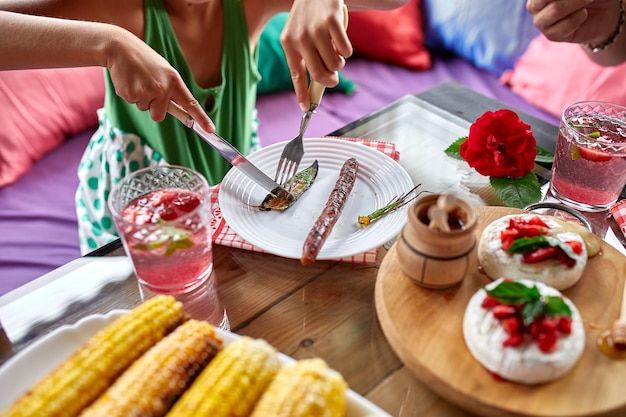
[(392, 36), (552, 75), (39, 109)]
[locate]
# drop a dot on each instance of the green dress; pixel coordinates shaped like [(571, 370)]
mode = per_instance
[(128, 139)]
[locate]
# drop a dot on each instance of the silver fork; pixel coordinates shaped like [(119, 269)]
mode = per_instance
[(294, 149)]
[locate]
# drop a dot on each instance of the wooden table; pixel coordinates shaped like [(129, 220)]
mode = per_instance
[(325, 310)]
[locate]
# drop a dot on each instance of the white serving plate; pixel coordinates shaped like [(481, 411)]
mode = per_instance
[(23, 370), (379, 180)]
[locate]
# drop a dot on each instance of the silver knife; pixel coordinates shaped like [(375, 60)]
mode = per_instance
[(230, 153)]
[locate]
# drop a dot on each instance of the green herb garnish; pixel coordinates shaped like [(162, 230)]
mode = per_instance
[(534, 304), (582, 128), (527, 244), (172, 238), (394, 204), (514, 292), (173, 246)]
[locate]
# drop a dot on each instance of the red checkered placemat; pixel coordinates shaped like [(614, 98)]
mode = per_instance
[(224, 235), (618, 210)]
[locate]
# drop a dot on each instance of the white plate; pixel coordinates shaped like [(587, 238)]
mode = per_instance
[(379, 180), (23, 370)]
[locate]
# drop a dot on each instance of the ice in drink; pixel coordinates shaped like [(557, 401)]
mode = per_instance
[(589, 170), (167, 239)]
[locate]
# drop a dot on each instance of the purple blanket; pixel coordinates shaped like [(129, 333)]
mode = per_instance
[(38, 230)]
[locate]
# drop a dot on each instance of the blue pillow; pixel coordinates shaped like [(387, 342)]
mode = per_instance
[(492, 34)]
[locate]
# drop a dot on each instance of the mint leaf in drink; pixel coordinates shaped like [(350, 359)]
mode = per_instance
[(180, 244), (172, 238), (177, 239)]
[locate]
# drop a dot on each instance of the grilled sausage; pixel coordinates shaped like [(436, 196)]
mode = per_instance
[(334, 206)]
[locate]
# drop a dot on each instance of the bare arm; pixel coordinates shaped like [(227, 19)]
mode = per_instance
[(314, 39), (374, 4), (140, 75), (591, 22), (37, 42)]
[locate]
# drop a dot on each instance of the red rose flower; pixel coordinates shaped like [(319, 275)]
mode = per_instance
[(500, 145)]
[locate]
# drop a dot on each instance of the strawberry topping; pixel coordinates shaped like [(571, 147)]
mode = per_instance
[(594, 155), (523, 313), (529, 237)]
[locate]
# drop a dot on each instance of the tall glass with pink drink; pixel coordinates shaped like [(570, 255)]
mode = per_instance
[(163, 219), (589, 170)]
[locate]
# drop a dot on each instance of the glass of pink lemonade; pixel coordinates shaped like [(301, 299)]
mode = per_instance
[(589, 170), (163, 218)]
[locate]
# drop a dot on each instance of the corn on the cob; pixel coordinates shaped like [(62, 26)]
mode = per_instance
[(154, 381), (231, 383), (307, 388), (85, 375)]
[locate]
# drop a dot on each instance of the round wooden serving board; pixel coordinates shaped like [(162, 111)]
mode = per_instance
[(424, 327)]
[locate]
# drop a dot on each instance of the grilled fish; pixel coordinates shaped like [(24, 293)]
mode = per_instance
[(301, 182)]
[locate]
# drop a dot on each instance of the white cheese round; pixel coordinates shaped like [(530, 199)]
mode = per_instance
[(525, 363), (497, 262)]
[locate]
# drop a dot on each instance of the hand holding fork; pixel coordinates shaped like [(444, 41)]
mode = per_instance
[(294, 150)]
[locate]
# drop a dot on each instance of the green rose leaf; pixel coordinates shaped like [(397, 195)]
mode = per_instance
[(517, 192), (544, 156), (453, 149)]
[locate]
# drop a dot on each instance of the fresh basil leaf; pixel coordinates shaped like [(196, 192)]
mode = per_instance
[(553, 241), (454, 149), (527, 244), (532, 310), (556, 306), (517, 192), (534, 305), (549, 305), (513, 292), (534, 293)]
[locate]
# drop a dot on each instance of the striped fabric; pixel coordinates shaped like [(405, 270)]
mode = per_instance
[(618, 210)]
